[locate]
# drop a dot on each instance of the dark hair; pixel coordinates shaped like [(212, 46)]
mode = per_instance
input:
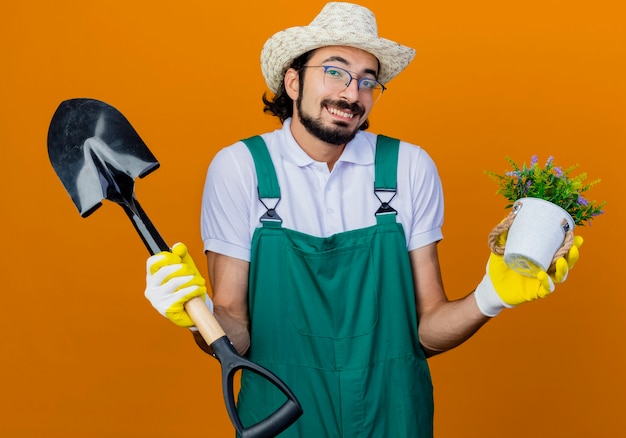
[(281, 105)]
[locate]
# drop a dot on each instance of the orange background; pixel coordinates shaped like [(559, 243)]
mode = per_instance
[(84, 354)]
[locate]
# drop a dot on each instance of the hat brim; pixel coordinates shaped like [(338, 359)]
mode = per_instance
[(283, 47)]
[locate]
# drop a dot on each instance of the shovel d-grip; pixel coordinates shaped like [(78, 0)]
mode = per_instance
[(232, 362), (97, 155)]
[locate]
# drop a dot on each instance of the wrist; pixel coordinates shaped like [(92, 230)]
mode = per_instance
[(487, 299), (201, 342)]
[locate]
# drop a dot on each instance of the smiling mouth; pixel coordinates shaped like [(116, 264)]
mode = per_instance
[(340, 113)]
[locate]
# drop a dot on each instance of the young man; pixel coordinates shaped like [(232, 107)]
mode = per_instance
[(321, 242)]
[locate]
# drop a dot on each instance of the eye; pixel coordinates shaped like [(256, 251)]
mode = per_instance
[(369, 84), (335, 72)]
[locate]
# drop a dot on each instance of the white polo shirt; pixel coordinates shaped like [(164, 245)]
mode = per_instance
[(314, 200)]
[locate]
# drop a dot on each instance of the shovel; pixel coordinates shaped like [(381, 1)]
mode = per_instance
[(97, 155)]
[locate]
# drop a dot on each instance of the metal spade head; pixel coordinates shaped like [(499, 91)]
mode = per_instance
[(96, 153)]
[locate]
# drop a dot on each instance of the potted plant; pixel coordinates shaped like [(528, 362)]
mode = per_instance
[(547, 202)]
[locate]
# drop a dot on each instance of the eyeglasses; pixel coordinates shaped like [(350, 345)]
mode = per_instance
[(338, 79)]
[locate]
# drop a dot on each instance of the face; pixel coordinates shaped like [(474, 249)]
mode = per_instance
[(334, 116)]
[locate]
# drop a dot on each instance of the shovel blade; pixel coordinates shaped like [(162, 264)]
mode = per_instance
[(88, 135)]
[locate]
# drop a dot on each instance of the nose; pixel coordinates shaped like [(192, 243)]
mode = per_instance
[(351, 92)]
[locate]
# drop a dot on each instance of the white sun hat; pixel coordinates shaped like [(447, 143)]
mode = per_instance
[(338, 24)]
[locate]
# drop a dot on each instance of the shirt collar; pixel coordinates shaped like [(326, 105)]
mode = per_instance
[(359, 150)]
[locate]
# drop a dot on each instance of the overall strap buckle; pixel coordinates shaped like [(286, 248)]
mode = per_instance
[(270, 215), (385, 207), (267, 187), (386, 173)]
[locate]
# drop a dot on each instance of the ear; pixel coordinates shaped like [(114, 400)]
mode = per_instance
[(292, 83)]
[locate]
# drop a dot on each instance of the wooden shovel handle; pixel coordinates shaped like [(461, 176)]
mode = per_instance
[(204, 320)]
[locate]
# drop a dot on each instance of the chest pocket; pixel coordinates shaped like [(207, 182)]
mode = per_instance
[(334, 284)]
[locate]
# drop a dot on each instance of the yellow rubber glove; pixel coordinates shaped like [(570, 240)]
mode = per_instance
[(566, 264), (172, 279), (502, 287)]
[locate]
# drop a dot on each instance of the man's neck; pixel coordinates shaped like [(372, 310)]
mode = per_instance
[(314, 147)]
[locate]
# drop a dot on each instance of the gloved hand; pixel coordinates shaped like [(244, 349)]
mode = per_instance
[(502, 287), (172, 279), (565, 264)]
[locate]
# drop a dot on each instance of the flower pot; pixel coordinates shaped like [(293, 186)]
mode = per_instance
[(536, 234)]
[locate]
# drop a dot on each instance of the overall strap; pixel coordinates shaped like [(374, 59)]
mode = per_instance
[(385, 176), (267, 181)]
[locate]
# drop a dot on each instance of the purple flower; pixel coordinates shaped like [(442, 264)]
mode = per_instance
[(558, 172), (582, 201), (533, 160)]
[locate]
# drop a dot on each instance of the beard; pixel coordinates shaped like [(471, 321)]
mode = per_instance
[(337, 134)]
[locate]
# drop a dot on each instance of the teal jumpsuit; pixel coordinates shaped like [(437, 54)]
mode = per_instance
[(335, 318)]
